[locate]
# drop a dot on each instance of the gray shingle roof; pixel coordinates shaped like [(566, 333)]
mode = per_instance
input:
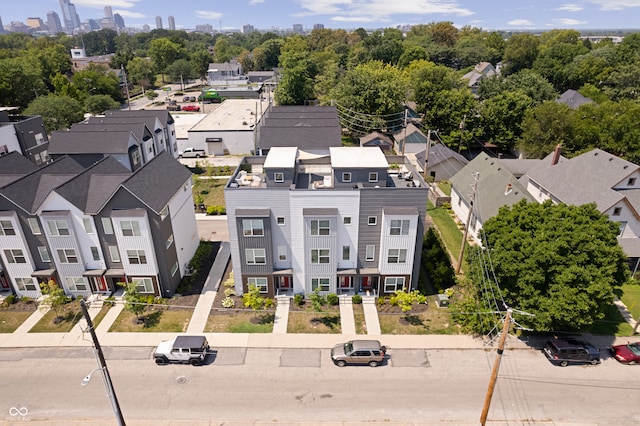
[(163, 115), (376, 136), (573, 99), (313, 138), (68, 142), (140, 130), (413, 135), (440, 153), (13, 166)]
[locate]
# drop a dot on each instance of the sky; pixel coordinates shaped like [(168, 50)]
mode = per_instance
[(348, 14)]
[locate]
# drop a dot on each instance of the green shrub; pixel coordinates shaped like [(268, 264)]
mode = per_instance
[(446, 205), (25, 299), (317, 300), (228, 302), (333, 299), (356, 299), (229, 291), (298, 299), (269, 303), (10, 300), (109, 301), (382, 301), (203, 251)]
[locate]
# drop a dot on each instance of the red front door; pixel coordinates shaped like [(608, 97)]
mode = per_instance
[(4, 283)]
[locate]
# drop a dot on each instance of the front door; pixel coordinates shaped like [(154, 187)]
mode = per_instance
[(345, 284), (4, 283)]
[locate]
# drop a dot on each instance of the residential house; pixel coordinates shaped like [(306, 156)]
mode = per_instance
[(163, 128), (378, 139), (23, 134), (340, 222), (409, 140), (573, 99), (443, 162), (226, 73), (479, 72)]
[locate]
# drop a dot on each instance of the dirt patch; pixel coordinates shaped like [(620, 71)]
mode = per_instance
[(308, 307), (19, 306), (387, 308)]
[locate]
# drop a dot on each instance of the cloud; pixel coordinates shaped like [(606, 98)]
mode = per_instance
[(208, 14), (379, 10), (254, 2), (353, 19), (520, 23), (609, 5), (100, 4), (570, 8), (568, 22), (129, 14)]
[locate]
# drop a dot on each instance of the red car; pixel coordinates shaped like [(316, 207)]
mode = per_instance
[(626, 354), (190, 108)]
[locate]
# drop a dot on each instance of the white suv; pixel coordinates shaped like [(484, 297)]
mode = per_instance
[(183, 349)]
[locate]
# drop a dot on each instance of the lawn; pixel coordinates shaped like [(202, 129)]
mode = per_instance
[(631, 298), (210, 190), (432, 321), (11, 320), (358, 317), (70, 314), (445, 187), (156, 319), (240, 321), (612, 325), (100, 316), (448, 229), (314, 322)]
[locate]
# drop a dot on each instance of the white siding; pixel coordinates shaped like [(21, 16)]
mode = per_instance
[(143, 242), (8, 138), (183, 222), (17, 242), (388, 241)]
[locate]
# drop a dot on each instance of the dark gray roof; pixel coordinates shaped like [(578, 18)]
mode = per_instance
[(158, 181), (376, 136), (253, 212), (573, 99), (302, 122), (313, 138), (413, 135), (13, 166), (439, 153), (140, 130), (163, 115), (150, 121), (68, 142), (319, 211)]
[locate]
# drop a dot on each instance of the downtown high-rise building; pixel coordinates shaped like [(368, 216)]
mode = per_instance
[(159, 22), (247, 28), (318, 26), (69, 16), (172, 23), (53, 23), (119, 20), (298, 29)]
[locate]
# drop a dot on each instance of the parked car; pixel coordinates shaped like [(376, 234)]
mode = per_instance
[(186, 99), (191, 152), (563, 352), (173, 107), (192, 99), (183, 350), (358, 352), (191, 108), (626, 354)]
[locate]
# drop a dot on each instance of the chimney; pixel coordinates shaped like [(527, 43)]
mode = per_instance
[(556, 155), (508, 189)]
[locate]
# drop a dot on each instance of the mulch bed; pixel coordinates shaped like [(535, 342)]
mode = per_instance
[(388, 309), (19, 306), (189, 298), (308, 307)]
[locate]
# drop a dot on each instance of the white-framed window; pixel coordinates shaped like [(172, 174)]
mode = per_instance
[(88, 225), (346, 176), (617, 211), (26, 284), (373, 176), (174, 269), (34, 225), (370, 253), (399, 227), (15, 256), (252, 227), (145, 285), (346, 252), (164, 213), (39, 138), (44, 254), (320, 256), (169, 241), (282, 253), (95, 253), (67, 256), (107, 225), (280, 220), (320, 226), (135, 157), (278, 177), (130, 228), (397, 256), (372, 220), (260, 282), (6, 228), (322, 284), (392, 284), (58, 227), (114, 254), (347, 220), (76, 284), (137, 257), (256, 256)]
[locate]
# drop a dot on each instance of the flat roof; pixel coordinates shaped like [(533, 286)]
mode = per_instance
[(233, 115), (280, 157), (184, 122), (346, 157)]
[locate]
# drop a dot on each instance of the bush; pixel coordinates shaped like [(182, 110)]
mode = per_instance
[(333, 299), (446, 205), (356, 299), (269, 303), (10, 300), (25, 299), (229, 291), (298, 299), (382, 301), (228, 302), (203, 251), (317, 300)]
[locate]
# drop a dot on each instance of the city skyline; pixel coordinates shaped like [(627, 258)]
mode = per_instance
[(284, 14)]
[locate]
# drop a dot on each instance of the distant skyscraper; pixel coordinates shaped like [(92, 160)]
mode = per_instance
[(246, 29), (53, 22), (146, 28), (318, 26), (1, 26), (108, 12), (158, 22), (172, 23), (297, 28), (69, 15), (119, 20), (204, 28), (35, 23)]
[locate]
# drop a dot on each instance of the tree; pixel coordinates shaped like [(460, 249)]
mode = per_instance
[(164, 52), (558, 262), (139, 71), (97, 80), (98, 104), (133, 301), (546, 126), (520, 52), (436, 261), (252, 299), (20, 81), (56, 298), (296, 84), (501, 118), (58, 112), (180, 70)]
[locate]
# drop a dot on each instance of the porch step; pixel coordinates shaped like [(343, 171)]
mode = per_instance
[(368, 300)]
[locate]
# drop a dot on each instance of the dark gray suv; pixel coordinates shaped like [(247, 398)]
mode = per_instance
[(563, 352), (361, 352)]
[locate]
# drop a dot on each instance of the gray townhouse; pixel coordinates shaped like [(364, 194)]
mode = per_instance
[(23, 134), (91, 228), (343, 222), (164, 126)]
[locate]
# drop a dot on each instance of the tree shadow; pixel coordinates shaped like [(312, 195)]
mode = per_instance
[(329, 321), (413, 319), (267, 318), (152, 319)]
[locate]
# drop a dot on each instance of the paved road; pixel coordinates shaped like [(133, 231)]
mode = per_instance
[(265, 386)]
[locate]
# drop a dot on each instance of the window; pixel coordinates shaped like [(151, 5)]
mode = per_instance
[(278, 177), (58, 227), (76, 284), (95, 253), (6, 228), (115, 255), (67, 256), (320, 226), (136, 257), (346, 252), (346, 220), (130, 228), (169, 241), (397, 256), (252, 227), (373, 177), (88, 225), (15, 256), (370, 253), (346, 177), (392, 284), (282, 252), (39, 138), (135, 157), (256, 256), (107, 225), (617, 211), (44, 254), (164, 213), (280, 220), (320, 256), (399, 227), (631, 181), (174, 269), (322, 284), (26, 284), (372, 220), (35, 226), (145, 285), (260, 283), (621, 228)]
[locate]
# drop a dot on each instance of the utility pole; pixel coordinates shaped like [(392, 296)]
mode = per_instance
[(496, 367), (426, 157), (404, 142), (126, 85), (103, 366), (472, 200)]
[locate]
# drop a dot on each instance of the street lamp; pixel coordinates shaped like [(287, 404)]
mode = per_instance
[(87, 378)]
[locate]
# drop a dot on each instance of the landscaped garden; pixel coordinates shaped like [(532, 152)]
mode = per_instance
[(413, 313), (316, 315), (14, 311)]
